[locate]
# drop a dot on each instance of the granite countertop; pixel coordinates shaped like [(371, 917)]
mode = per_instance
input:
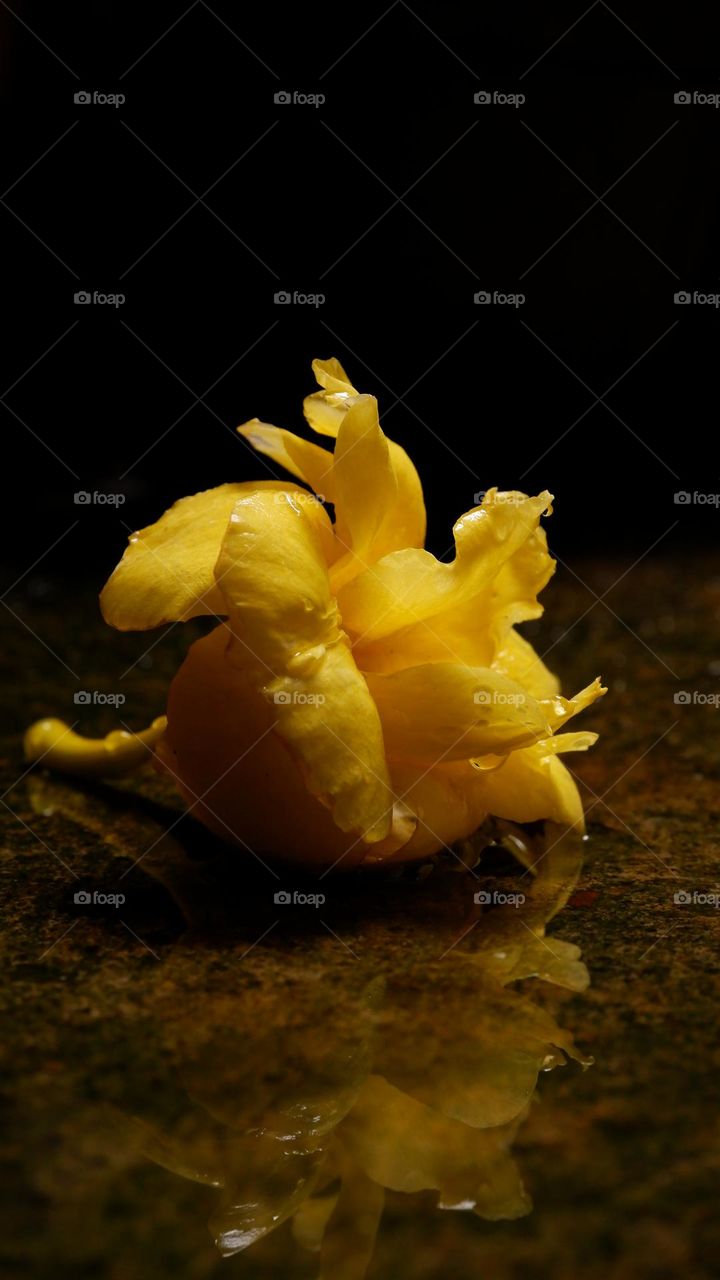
[(150, 1048)]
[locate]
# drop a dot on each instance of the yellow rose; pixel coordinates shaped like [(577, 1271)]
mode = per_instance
[(363, 701)]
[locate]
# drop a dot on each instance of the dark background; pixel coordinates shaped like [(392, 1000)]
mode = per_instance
[(143, 399)]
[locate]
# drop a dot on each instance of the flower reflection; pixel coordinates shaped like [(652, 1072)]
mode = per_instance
[(310, 1095)]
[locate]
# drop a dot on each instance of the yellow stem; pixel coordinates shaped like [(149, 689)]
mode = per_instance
[(54, 744)]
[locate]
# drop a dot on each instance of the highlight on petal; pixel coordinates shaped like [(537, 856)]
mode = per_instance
[(524, 574), (273, 575), (445, 800), (166, 573), (406, 588), (325, 411), (407, 1146), (559, 710), (533, 785)]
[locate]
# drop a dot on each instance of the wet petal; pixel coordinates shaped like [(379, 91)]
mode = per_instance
[(442, 711), (517, 659), (445, 801), (324, 410), (365, 487), (238, 776), (409, 587), (307, 461), (533, 785), (166, 573), (559, 710), (404, 521), (273, 575)]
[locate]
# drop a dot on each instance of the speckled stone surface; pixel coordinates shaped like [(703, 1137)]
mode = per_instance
[(137, 1038)]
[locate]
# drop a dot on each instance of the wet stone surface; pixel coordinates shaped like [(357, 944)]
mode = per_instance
[(198, 1067)]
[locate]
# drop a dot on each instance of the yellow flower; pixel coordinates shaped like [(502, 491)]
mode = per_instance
[(362, 701)]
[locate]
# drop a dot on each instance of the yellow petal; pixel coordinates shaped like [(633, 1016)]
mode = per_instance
[(331, 376), (273, 574), (561, 742), (238, 776), (523, 575), (559, 710), (324, 410), (405, 525), (445, 800), (365, 487), (443, 711), (405, 521), (407, 1146), (533, 785), (517, 659), (409, 587), (302, 458), (166, 573)]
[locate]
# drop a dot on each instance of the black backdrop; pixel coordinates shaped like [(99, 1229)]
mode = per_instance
[(398, 198)]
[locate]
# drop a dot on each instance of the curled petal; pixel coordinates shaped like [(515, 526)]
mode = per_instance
[(324, 410), (305, 460), (409, 587), (238, 776), (272, 572), (559, 710), (533, 785), (166, 573), (404, 520), (523, 575)]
